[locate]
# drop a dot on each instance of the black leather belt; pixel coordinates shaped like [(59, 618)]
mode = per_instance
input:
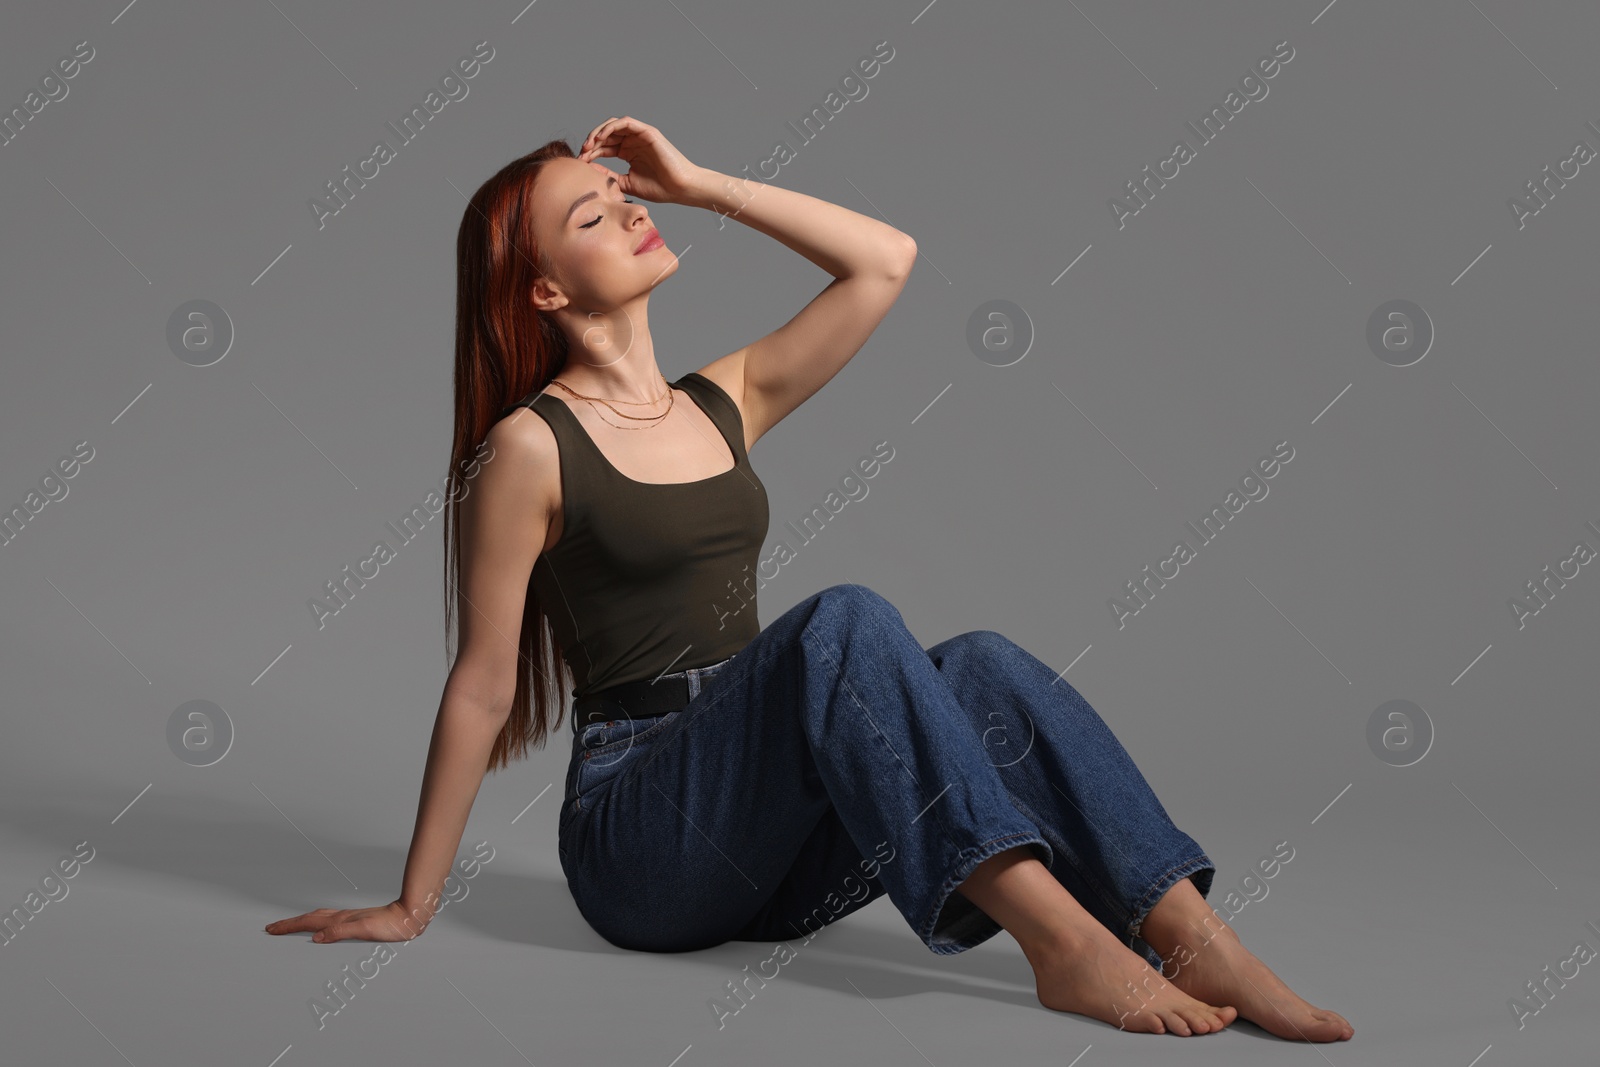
[(631, 700)]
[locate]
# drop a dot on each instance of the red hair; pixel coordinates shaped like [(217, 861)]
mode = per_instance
[(505, 349)]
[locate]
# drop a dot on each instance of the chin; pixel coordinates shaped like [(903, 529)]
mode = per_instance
[(662, 264)]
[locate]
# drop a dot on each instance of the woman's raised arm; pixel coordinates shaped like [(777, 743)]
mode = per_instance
[(869, 260)]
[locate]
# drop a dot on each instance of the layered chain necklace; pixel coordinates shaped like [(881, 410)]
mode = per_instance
[(652, 419)]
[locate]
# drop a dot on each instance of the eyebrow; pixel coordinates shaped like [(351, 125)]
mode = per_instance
[(610, 181)]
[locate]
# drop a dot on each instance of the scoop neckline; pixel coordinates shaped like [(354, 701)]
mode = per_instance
[(738, 458)]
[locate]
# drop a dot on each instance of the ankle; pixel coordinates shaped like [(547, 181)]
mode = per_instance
[(1169, 938), (1061, 942)]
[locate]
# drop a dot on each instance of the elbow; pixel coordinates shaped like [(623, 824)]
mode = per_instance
[(903, 256), (498, 708), (484, 697), (479, 715), (497, 712)]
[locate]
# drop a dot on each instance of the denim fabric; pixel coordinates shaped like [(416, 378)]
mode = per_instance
[(833, 760)]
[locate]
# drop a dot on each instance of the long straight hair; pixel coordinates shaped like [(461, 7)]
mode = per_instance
[(505, 349)]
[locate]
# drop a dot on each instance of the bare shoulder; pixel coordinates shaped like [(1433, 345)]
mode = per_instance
[(523, 462), (505, 527), (728, 372)]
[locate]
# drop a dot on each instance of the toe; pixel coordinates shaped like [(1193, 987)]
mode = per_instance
[(1142, 1022)]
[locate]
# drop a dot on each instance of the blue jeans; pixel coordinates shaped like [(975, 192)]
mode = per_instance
[(832, 760)]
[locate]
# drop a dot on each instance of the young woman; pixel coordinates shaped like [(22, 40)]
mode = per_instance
[(729, 782)]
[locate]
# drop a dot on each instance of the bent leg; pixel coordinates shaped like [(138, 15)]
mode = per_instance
[(1118, 850), (829, 879), (835, 705)]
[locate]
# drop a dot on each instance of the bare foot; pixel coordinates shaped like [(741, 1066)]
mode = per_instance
[(1222, 971), (1098, 976)]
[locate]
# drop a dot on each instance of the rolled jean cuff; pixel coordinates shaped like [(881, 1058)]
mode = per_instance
[(954, 923), (1198, 866)]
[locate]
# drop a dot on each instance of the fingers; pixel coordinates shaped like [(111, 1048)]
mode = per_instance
[(336, 932), (327, 925), (611, 126), (609, 134), (593, 140), (311, 920), (602, 144), (368, 926), (330, 925), (594, 133)]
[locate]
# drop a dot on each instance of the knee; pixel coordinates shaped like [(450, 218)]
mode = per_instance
[(849, 604), (975, 645), (987, 642)]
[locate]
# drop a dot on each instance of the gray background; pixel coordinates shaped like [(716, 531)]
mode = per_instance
[(1225, 317)]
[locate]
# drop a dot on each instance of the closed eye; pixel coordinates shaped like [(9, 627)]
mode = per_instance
[(597, 218)]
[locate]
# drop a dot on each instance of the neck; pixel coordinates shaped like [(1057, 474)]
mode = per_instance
[(632, 378), (613, 356)]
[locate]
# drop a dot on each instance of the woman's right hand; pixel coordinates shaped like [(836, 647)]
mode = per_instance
[(389, 922), (657, 171)]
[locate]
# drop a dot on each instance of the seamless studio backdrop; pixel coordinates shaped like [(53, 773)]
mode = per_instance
[(1246, 375)]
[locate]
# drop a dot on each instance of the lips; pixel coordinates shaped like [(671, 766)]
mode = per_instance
[(651, 242)]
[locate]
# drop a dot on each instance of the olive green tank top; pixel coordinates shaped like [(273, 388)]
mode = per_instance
[(650, 577)]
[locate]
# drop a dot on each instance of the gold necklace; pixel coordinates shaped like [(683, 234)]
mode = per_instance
[(652, 419)]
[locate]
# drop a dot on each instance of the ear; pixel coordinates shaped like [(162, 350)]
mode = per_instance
[(547, 296)]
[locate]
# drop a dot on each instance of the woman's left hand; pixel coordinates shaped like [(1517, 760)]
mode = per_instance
[(656, 170)]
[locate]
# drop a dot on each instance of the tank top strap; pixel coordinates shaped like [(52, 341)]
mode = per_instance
[(716, 403), (620, 587), (583, 462), (525, 402), (583, 456)]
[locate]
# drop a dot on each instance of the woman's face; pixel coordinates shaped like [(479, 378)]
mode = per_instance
[(592, 237)]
